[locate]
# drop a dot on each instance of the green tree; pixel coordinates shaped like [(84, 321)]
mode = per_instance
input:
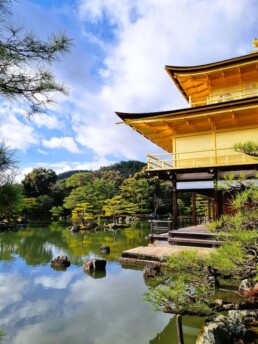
[(102, 190), (30, 205), (11, 198), (162, 196), (39, 182), (78, 179), (78, 195), (117, 206), (24, 62), (249, 148), (83, 212), (57, 211), (7, 164), (11, 201), (139, 192), (87, 189)]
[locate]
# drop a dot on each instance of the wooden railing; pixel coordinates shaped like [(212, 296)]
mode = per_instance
[(160, 162), (203, 158), (225, 96)]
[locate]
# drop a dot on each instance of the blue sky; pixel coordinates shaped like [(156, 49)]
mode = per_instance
[(117, 63)]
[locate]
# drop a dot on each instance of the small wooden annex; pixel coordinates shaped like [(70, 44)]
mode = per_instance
[(198, 140)]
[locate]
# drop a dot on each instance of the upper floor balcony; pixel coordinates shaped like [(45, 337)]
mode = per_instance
[(225, 96), (203, 158)]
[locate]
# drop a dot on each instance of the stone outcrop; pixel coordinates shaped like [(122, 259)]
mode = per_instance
[(248, 288), (94, 265), (234, 328)]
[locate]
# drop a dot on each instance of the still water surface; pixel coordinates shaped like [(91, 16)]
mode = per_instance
[(44, 306)]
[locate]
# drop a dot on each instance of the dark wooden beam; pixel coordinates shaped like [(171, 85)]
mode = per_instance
[(194, 209)]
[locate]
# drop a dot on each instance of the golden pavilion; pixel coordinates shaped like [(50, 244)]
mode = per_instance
[(198, 140)]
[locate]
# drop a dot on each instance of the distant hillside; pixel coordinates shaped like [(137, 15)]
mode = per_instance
[(68, 174), (126, 169)]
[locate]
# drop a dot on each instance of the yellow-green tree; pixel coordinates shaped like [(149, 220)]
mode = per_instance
[(83, 212)]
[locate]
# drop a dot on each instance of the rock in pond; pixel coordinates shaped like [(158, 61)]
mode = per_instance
[(74, 228), (60, 262), (248, 287), (94, 265), (151, 270), (104, 249)]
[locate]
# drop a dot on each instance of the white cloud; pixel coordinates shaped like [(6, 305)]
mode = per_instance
[(147, 36), (67, 143), (49, 121), (60, 282), (12, 289), (42, 152), (17, 134), (118, 64), (111, 139)]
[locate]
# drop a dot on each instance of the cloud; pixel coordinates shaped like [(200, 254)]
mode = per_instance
[(145, 36), (14, 131), (49, 121), (42, 152), (60, 282), (19, 288), (67, 143), (117, 64)]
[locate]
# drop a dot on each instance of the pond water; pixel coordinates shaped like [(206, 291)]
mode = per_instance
[(44, 306)]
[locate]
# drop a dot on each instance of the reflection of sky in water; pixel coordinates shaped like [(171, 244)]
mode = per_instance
[(41, 305)]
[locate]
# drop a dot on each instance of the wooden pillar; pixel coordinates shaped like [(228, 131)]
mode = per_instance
[(194, 218), (179, 328), (218, 205), (216, 197), (175, 218), (209, 209), (215, 206)]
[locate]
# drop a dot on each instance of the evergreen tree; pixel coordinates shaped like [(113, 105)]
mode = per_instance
[(188, 287), (24, 62)]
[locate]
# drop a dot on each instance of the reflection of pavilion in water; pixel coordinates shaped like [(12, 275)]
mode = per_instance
[(191, 329)]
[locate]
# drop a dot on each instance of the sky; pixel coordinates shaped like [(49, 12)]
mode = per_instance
[(117, 63)]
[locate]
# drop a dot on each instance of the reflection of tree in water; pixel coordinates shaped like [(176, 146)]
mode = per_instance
[(191, 328), (32, 245), (37, 244)]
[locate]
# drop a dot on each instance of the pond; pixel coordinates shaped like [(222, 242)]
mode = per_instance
[(44, 306)]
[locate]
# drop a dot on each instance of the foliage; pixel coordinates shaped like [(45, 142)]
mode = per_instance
[(39, 182), (118, 206), (37, 205), (126, 168), (83, 212), (24, 62), (161, 201), (67, 174), (7, 164), (2, 335), (249, 148), (188, 286), (30, 205), (77, 195), (57, 211), (11, 201), (139, 194), (78, 179)]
